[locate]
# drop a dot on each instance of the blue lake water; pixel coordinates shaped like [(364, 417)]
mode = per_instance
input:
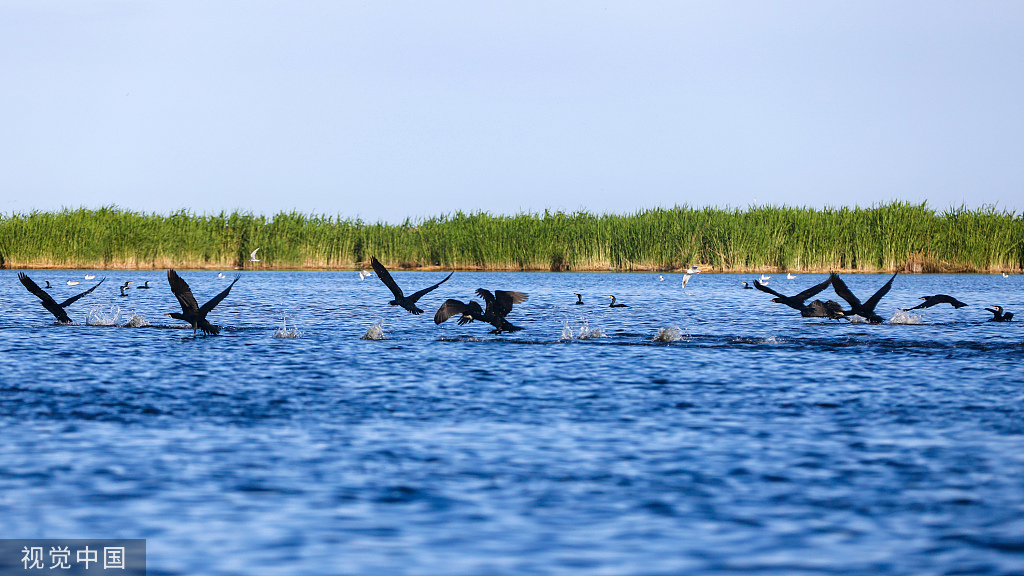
[(753, 441)]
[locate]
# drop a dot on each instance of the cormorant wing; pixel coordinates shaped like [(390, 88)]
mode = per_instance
[(873, 301), (450, 308), (503, 301), (386, 278), (71, 300), (844, 292), (813, 290), (182, 292), (764, 288), (205, 309), (417, 295), (926, 304), (488, 299), (39, 292)]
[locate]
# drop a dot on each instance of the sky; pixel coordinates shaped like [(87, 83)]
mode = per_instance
[(391, 110)]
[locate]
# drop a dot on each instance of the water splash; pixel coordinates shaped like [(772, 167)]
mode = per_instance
[(284, 332), (904, 317), (374, 332), (668, 334), (136, 320), (586, 332), (98, 317), (567, 333)]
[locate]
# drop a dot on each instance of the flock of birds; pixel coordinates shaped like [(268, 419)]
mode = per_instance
[(498, 305)]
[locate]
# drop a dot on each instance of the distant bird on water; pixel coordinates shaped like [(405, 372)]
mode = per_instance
[(1005, 275), (661, 278), (49, 303), (407, 302), (930, 301), (221, 275), (145, 286), (364, 274), (764, 279), (790, 276), (123, 288), (252, 257), (90, 276), (613, 304), (499, 305), (998, 315), (73, 282), (48, 284), (867, 309), (747, 286), (579, 299), (191, 311), (797, 302)]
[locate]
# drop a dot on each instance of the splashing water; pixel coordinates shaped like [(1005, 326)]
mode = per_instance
[(375, 332), (97, 317), (904, 317), (586, 332), (567, 333), (668, 334), (284, 332), (136, 320)]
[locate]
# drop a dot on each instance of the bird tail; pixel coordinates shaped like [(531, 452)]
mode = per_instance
[(209, 328)]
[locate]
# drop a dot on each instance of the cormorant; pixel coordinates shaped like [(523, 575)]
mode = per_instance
[(407, 302), (191, 312), (48, 284), (747, 286), (252, 257), (499, 305), (145, 286), (123, 288), (579, 299), (930, 301), (48, 302), (998, 315), (867, 309), (828, 309), (614, 305), (797, 302)]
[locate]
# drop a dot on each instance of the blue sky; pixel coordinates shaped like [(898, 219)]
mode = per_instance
[(388, 110)]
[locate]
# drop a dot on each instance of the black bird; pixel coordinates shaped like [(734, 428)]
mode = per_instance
[(797, 302), (407, 302), (867, 309), (998, 315), (191, 312), (579, 298), (614, 305), (828, 309), (123, 288), (145, 286), (48, 284), (930, 301), (747, 286), (49, 303), (499, 305)]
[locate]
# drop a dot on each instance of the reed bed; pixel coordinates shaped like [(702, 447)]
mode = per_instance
[(886, 237)]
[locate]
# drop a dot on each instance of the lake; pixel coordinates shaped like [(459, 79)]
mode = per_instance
[(743, 439)]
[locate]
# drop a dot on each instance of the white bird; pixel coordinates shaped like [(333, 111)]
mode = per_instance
[(790, 276), (90, 276), (686, 278), (764, 279), (252, 257), (73, 282), (693, 270), (221, 275), (364, 274), (661, 278), (1005, 275)]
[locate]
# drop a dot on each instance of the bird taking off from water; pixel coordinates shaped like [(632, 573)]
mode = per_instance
[(49, 303), (998, 315), (797, 302), (252, 257), (867, 309), (407, 302), (191, 311), (930, 301), (613, 304), (499, 305)]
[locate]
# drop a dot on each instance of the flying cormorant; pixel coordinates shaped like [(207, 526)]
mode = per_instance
[(407, 302), (867, 309), (499, 305), (191, 312), (797, 302), (930, 301), (579, 299), (828, 309), (614, 305), (48, 302), (998, 315)]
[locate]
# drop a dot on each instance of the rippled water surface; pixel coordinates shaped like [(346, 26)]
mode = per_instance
[(743, 439)]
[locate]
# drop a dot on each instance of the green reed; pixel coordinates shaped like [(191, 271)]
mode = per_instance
[(885, 237)]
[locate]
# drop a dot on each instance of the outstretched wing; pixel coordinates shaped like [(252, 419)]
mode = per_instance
[(71, 300), (182, 292), (503, 301), (873, 301), (925, 304), (450, 308), (386, 278), (39, 292), (813, 290), (764, 288), (417, 295), (205, 309), (844, 292), (488, 300)]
